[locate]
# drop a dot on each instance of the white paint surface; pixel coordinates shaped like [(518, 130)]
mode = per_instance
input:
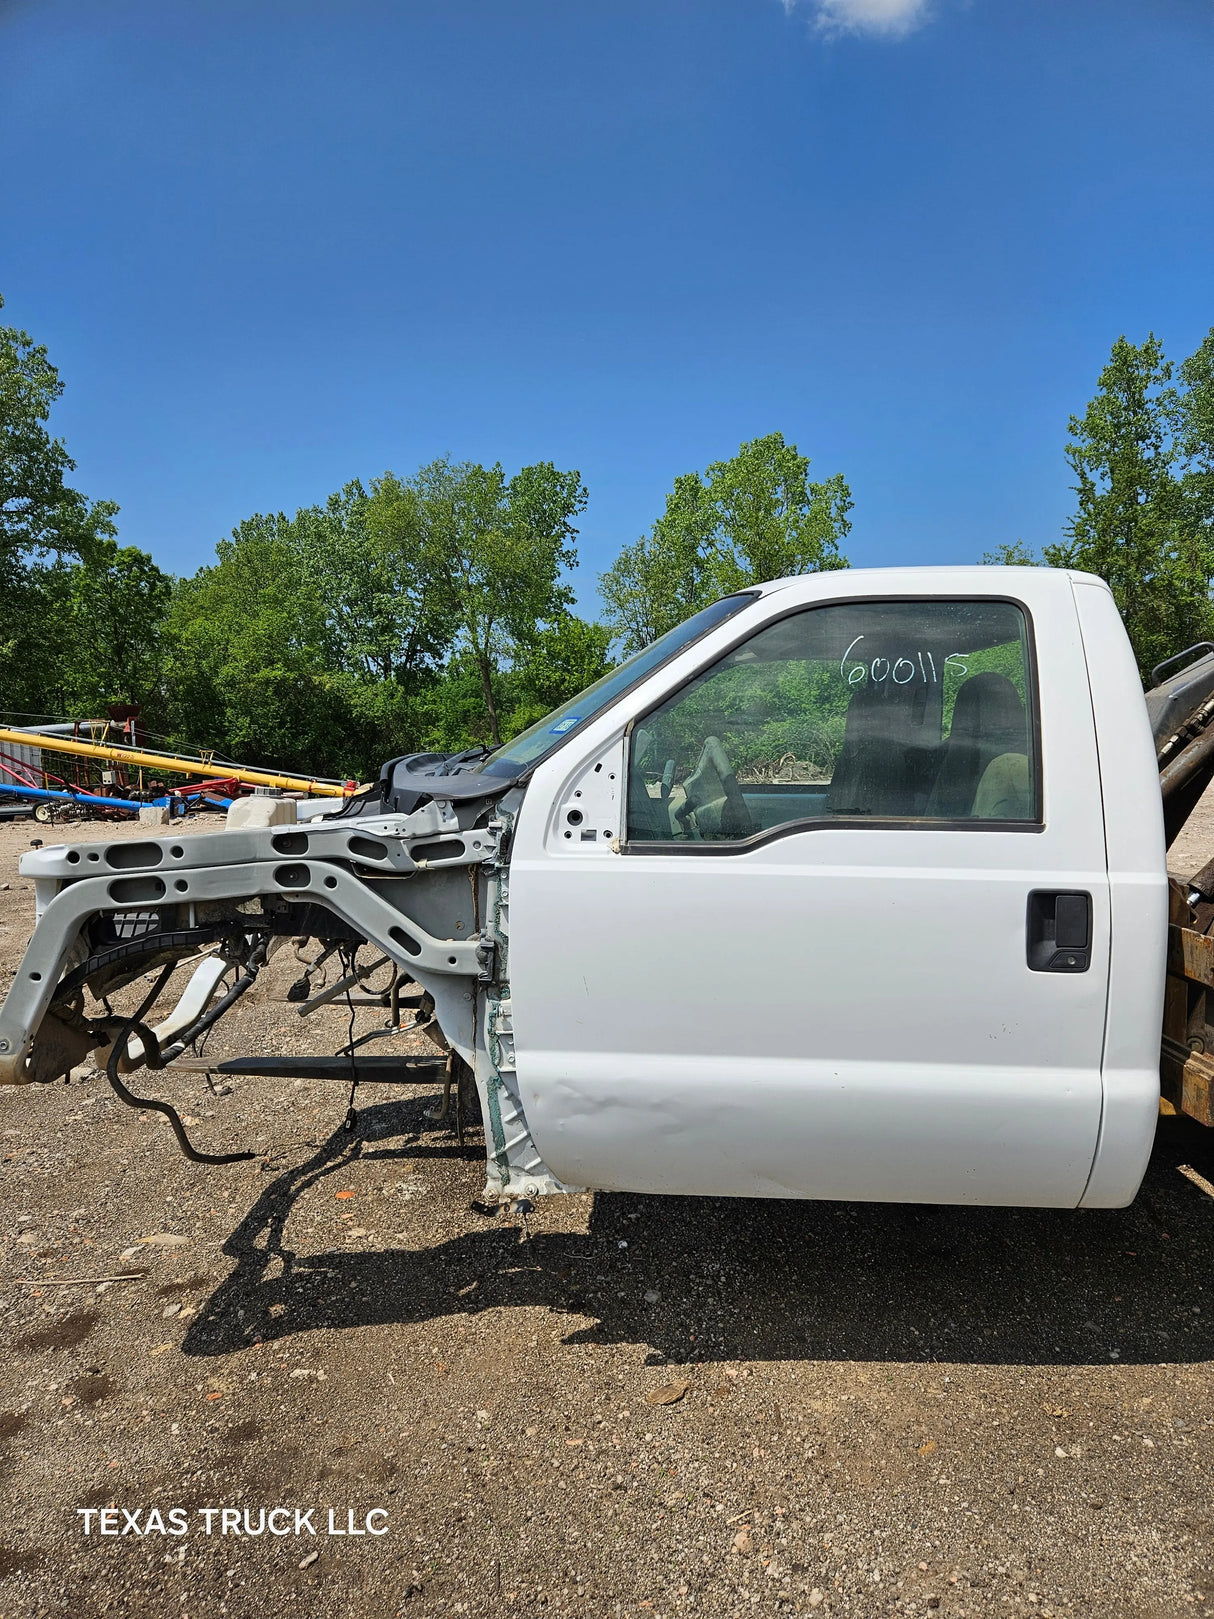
[(843, 1012)]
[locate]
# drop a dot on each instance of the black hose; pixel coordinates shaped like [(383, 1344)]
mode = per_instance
[(117, 1051), (202, 1024), (150, 999), (131, 1026), (153, 1057)]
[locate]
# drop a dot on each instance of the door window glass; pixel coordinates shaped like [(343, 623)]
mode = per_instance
[(908, 710)]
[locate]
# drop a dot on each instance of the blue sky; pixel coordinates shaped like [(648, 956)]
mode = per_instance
[(272, 248)]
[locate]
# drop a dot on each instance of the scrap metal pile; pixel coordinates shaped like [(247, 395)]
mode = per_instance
[(102, 768)]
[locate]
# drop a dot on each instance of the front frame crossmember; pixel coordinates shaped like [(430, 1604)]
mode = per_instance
[(110, 913)]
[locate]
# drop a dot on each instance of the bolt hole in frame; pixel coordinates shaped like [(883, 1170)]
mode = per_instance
[(836, 845)]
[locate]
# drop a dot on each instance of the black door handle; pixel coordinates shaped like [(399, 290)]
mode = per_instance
[(1059, 932)]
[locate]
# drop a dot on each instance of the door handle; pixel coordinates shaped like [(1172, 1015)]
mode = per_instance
[(1059, 932)]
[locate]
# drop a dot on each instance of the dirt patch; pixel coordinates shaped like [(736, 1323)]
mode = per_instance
[(91, 1387), (186, 1284), (66, 1333), (101, 1496), (11, 1423), (20, 1560)]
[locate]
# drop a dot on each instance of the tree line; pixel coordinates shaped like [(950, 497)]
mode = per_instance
[(434, 612), (1142, 455)]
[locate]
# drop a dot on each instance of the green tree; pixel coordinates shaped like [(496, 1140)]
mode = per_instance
[(1140, 455), (43, 524), (449, 710), (1196, 423), (666, 575), (752, 518), (554, 664), (81, 635), (247, 665), (115, 606), (363, 557), (39, 512), (1015, 555), (35, 644), (773, 521), (489, 555), (312, 639)]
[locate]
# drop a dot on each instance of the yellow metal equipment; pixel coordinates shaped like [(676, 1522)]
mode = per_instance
[(170, 762)]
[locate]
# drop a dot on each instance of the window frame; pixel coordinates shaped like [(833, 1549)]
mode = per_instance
[(815, 823)]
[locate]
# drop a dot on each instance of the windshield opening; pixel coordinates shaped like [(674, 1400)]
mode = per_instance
[(541, 738)]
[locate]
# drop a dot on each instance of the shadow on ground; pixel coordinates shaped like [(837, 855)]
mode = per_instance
[(757, 1279)]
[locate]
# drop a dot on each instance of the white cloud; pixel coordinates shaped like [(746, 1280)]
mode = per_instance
[(890, 19)]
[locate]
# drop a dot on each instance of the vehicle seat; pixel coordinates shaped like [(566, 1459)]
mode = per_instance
[(1005, 792), (712, 796), (874, 773), (988, 721)]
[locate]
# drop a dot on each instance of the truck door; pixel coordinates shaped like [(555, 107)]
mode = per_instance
[(851, 937)]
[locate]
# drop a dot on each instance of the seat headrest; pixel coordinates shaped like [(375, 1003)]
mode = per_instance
[(988, 710)]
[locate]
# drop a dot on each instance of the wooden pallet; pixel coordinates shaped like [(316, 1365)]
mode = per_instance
[(1186, 1069)]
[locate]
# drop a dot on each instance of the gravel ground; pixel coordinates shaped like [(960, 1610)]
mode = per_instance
[(879, 1409)]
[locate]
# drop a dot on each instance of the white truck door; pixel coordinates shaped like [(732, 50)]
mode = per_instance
[(855, 942)]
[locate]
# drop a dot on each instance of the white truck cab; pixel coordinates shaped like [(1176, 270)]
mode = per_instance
[(862, 894), (852, 887)]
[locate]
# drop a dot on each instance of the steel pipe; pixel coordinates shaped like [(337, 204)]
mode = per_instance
[(171, 763), (90, 800)]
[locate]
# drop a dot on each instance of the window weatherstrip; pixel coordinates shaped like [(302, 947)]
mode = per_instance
[(693, 847)]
